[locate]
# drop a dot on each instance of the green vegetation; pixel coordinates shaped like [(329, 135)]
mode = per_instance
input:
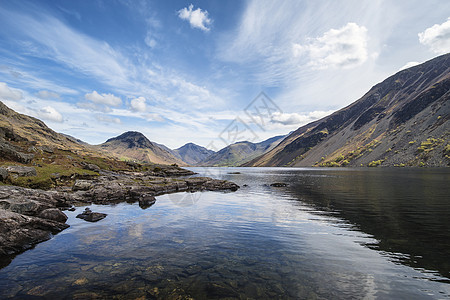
[(50, 175), (375, 163), (339, 158), (447, 151), (344, 159), (429, 145)]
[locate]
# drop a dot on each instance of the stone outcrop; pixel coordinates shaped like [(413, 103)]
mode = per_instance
[(28, 217), (10, 152)]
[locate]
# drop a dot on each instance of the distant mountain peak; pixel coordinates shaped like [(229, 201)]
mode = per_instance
[(192, 153), (134, 145), (133, 139)]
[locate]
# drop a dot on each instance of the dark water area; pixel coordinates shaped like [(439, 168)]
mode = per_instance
[(329, 234)]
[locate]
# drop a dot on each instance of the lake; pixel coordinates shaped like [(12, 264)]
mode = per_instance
[(329, 234)]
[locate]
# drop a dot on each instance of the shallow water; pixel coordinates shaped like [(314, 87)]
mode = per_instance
[(331, 234)]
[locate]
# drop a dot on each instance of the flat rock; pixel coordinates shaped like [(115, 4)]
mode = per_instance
[(21, 170), (20, 232)]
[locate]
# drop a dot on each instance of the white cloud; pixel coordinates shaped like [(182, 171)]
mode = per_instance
[(437, 37), (342, 48), (107, 119), (197, 18), (50, 114), (138, 104), (47, 95), (409, 65), (298, 119), (106, 99), (8, 93)]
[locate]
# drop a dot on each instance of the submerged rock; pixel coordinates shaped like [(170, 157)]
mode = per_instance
[(146, 201)]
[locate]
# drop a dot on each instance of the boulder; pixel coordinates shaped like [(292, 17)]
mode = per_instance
[(90, 216), (91, 167), (53, 214), (82, 185)]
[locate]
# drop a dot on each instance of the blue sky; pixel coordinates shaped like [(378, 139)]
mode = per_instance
[(193, 71)]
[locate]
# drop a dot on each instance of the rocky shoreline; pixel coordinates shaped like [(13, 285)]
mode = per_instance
[(30, 216)]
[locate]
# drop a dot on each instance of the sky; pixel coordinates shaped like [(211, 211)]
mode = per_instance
[(208, 72)]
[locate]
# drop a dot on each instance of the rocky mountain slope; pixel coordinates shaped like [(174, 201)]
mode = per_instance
[(192, 153), (134, 145), (402, 121), (240, 152), (22, 134)]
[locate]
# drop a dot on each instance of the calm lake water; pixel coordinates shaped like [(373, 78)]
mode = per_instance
[(330, 234)]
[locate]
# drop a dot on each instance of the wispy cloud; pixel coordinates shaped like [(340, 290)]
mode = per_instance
[(107, 119), (47, 95), (53, 39), (198, 18), (437, 37)]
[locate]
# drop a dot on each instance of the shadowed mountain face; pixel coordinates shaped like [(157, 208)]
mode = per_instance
[(240, 152), (192, 153), (134, 145), (400, 121)]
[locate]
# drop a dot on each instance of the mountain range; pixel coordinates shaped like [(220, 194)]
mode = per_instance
[(239, 153), (402, 121)]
